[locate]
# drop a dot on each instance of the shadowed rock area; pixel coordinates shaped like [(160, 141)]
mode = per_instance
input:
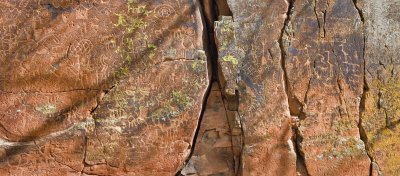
[(99, 87), (200, 87)]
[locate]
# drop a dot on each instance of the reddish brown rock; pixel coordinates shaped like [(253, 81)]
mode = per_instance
[(59, 153), (308, 87), (324, 63), (142, 85), (250, 58), (213, 152), (145, 128)]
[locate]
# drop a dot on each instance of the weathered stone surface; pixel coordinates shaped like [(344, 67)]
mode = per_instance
[(141, 128), (307, 87), (213, 152), (59, 153), (263, 108), (323, 46), (136, 69), (381, 114)]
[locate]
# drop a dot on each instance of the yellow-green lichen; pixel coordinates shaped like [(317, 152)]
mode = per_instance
[(47, 109), (388, 144), (198, 66), (391, 97), (164, 112), (121, 72), (180, 99), (382, 106), (342, 147), (151, 46), (382, 111), (195, 65), (231, 59), (121, 20), (177, 104), (133, 25)]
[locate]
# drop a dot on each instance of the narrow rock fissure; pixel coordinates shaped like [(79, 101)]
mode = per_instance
[(92, 112), (84, 156), (295, 106), (359, 10), (363, 135), (210, 11), (194, 139)]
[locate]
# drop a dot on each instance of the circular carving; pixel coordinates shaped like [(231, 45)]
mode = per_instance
[(164, 11)]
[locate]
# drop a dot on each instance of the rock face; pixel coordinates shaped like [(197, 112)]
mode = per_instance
[(300, 87), (99, 87), (381, 115), (323, 47), (250, 60), (213, 153)]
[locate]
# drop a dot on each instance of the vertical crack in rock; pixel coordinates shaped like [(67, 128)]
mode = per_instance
[(208, 15), (360, 13), (316, 14), (321, 18), (92, 112), (362, 132), (196, 135), (343, 109), (100, 98), (229, 60), (211, 12), (84, 155), (295, 106)]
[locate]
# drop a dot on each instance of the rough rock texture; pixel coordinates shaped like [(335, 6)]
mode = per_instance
[(250, 60), (323, 48), (323, 63), (381, 116), (99, 87), (213, 152)]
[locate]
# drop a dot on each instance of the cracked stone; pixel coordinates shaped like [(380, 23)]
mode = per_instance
[(123, 87)]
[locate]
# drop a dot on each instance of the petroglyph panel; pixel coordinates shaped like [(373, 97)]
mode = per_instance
[(323, 44), (138, 124), (60, 61), (263, 108)]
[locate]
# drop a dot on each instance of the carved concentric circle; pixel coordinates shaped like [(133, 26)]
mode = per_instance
[(164, 11)]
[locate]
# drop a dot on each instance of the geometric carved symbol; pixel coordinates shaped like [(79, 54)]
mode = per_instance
[(164, 11), (23, 3), (81, 48)]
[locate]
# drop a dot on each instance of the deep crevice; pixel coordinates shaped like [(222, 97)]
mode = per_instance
[(84, 156), (210, 11), (360, 13), (362, 132), (194, 139), (295, 106)]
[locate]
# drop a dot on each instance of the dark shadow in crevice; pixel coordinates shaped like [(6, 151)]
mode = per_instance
[(210, 11)]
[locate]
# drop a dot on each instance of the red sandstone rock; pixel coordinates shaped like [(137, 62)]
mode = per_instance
[(250, 45), (308, 87), (136, 70), (213, 151), (324, 64)]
